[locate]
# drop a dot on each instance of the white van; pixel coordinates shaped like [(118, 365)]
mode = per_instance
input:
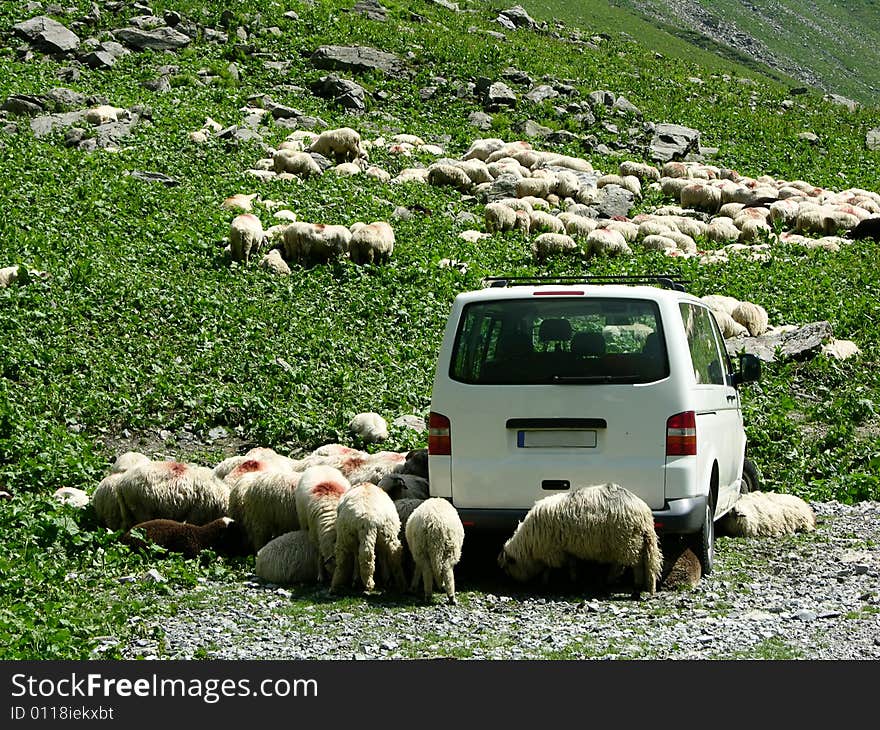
[(543, 387)]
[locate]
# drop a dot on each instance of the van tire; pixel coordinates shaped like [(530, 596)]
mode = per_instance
[(751, 482), (703, 542)]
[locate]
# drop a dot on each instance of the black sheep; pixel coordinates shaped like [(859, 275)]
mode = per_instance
[(222, 535)]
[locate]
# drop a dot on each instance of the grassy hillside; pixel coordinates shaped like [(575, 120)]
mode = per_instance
[(144, 335)]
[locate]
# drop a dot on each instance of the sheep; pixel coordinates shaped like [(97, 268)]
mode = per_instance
[(754, 228), (683, 242), (549, 245), (476, 170), (516, 204), (607, 241), (315, 242), (681, 570), (656, 242), (372, 243), (499, 217), (639, 170), (301, 164), (240, 201), (367, 525), (104, 498), (532, 187), (222, 535), (289, 558), (544, 222), (405, 506), (605, 523), (258, 453), (72, 497), (245, 237), (577, 226), (672, 186), (434, 536), (751, 316), (369, 427), (411, 174), (264, 503), (722, 229), (653, 227), (170, 490), (378, 173), (627, 229), (317, 496), (566, 185), (274, 262), (701, 197), (404, 486), (480, 149), (728, 325), (104, 114), (628, 182), (767, 514), (449, 176), (8, 276), (416, 462), (370, 467), (344, 144)]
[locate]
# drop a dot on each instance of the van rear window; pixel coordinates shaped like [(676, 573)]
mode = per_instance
[(559, 341)]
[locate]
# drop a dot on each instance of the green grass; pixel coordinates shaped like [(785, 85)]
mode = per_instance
[(143, 331)]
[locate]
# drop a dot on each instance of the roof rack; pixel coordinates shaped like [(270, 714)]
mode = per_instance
[(666, 281)]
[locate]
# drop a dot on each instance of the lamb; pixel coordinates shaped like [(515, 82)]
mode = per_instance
[(367, 525), (317, 496), (72, 497), (435, 535), (245, 237), (170, 490), (289, 558), (104, 498), (369, 427), (344, 144), (767, 514), (372, 243), (274, 262), (604, 523), (221, 535), (549, 245), (264, 503)]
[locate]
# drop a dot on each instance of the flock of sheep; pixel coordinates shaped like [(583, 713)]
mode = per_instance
[(552, 197)]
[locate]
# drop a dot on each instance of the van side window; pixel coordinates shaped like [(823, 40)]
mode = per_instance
[(709, 366)]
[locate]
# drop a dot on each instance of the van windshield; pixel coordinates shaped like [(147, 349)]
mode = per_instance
[(548, 340)]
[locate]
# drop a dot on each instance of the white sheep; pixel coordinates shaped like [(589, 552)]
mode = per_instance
[(317, 496), (170, 490), (343, 144), (549, 245), (301, 164), (480, 149), (499, 217), (577, 226), (289, 558), (604, 523), (751, 316), (639, 170), (541, 221), (72, 497), (370, 467), (371, 243), (275, 262), (104, 499), (444, 175), (767, 514), (104, 114), (264, 503), (728, 325), (315, 242), (607, 241), (722, 229), (245, 237), (532, 187), (367, 528), (434, 536), (701, 197), (369, 427)]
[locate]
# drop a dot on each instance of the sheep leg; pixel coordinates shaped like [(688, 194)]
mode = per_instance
[(344, 564), (428, 579), (414, 584), (448, 584), (367, 559)]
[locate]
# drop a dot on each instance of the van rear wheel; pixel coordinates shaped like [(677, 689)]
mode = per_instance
[(751, 482), (703, 542)]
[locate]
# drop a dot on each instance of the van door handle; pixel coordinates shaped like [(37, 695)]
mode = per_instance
[(731, 397)]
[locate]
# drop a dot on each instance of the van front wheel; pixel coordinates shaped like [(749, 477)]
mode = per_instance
[(703, 542), (751, 482)]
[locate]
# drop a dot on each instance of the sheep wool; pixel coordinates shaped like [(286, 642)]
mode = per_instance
[(369, 427), (370, 467), (550, 245), (289, 558), (751, 316), (343, 144), (264, 503), (317, 496), (372, 243), (221, 535), (72, 497), (768, 514), (434, 536), (604, 523), (104, 499), (367, 529), (245, 237)]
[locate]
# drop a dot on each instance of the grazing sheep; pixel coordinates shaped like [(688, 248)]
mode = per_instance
[(701, 197), (499, 217), (104, 498), (607, 241), (275, 263), (751, 316), (343, 144), (170, 490), (301, 164), (264, 503), (722, 229), (435, 535), (480, 149), (767, 514), (577, 226), (245, 237), (72, 497), (315, 242), (104, 114), (532, 187), (367, 526), (405, 507), (542, 222), (404, 486), (372, 243), (443, 175), (258, 453), (549, 245), (240, 201), (604, 523), (289, 558), (317, 496), (8, 276), (221, 535), (639, 170), (370, 467), (656, 242), (369, 427)]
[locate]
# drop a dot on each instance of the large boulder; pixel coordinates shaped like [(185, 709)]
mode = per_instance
[(158, 39), (673, 142), (356, 59), (47, 34)]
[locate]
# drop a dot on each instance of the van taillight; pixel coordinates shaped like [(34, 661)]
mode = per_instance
[(681, 434), (439, 442)]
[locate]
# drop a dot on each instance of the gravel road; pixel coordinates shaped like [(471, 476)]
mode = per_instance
[(811, 596)]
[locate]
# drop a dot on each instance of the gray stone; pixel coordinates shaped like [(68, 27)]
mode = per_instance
[(167, 181), (515, 17), (159, 39), (872, 139), (533, 129), (480, 120), (561, 136), (601, 97), (280, 111), (47, 34), (415, 423), (613, 200), (99, 60), (153, 576), (445, 4), (673, 142), (515, 76), (426, 93), (371, 10), (356, 59), (236, 134), (24, 105), (42, 126), (499, 95), (541, 93), (344, 92), (621, 103), (842, 101), (160, 85), (799, 344), (147, 22), (214, 36)]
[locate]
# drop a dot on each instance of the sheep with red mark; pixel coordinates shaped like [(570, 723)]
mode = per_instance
[(222, 535), (367, 530), (263, 501), (604, 523), (317, 496), (315, 242), (104, 499), (171, 490), (370, 467), (434, 536), (288, 559), (245, 237)]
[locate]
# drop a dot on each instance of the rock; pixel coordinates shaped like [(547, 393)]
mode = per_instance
[(541, 93), (371, 10), (356, 59), (533, 129), (445, 4), (623, 104), (99, 60), (561, 136), (42, 126), (613, 200), (159, 39), (842, 101), (515, 17), (24, 105), (344, 92), (480, 120), (155, 177), (499, 95), (47, 34), (872, 139), (416, 423), (601, 98), (236, 134), (153, 576), (798, 344), (673, 142), (810, 137)]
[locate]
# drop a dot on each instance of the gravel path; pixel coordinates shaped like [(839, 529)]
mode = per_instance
[(812, 596)]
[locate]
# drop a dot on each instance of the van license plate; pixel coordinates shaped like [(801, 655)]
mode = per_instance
[(549, 439)]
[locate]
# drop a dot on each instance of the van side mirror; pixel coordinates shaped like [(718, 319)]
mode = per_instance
[(749, 369)]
